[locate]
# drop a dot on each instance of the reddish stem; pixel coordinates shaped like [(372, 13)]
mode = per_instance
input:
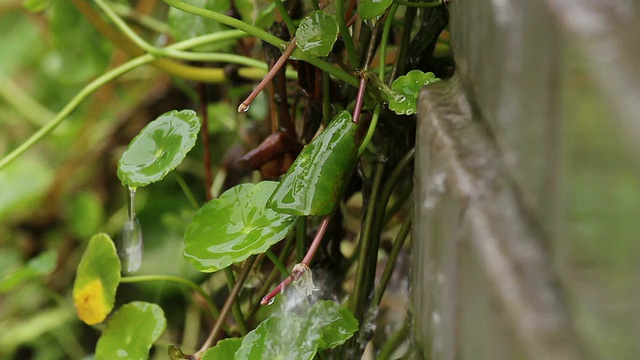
[(305, 262), (359, 99), (279, 64)]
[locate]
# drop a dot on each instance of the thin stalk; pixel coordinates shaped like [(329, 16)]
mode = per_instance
[(357, 302), (305, 262), (244, 106), (278, 264), (235, 308), (403, 51), (385, 37), (346, 36), (187, 191), (144, 20), (285, 17), (226, 309), (370, 131), (98, 83), (391, 260), (178, 280), (301, 237), (393, 343), (23, 103), (204, 132), (359, 100)]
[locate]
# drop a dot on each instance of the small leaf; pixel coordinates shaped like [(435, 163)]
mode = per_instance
[(234, 226), (39, 266), (131, 332), (96, 281), (316, 179), (293, 336), (316, 33), (159, 148), (225, 349), (409, 87), (370, 9)]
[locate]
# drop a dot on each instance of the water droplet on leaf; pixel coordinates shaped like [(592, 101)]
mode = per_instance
[(271, 301)]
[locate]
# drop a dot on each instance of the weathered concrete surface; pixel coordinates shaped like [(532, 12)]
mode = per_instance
[(528, 185)]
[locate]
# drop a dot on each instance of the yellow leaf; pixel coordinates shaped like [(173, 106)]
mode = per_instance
[(90, 302)]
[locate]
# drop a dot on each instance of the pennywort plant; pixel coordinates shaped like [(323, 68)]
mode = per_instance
[(340, 81)]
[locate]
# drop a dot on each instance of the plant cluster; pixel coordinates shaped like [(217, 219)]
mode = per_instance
[(329, 133)]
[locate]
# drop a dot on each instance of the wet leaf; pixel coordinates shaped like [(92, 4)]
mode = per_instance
[(96, 281), (316, 33), (159, 148), (409, 87), (370, 9), (39, 266), (234, 226), (225, 349), (315, 181), (294, 336), (131, 332)]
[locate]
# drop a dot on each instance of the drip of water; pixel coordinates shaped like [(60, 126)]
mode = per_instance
[(131, 244), (271, 301)]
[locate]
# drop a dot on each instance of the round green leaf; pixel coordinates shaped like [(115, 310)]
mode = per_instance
[(370, 9), (159, 148), (235, 226), (315, 181), (131, 332), (97, 278), (409, 87), (299, 336), (224, 349), (316, 33)]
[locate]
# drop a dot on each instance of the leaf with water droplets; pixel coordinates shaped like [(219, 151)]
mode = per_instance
[(131, 332), (224, 349), (316, 33), (370, 9), (234, 226), (97, 278), (316, 179), (408, 86), (159, 148), (299, 336)]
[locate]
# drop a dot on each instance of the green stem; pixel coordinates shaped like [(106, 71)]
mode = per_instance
[(383, 43), (178, 280), (237, 312), (370, 131), (24, 104), (417, 4), (144, 20), (391, 260), (286, 18), (187, 191), (301, 237), (246, 269), (358, 301), (393, 343), (101, 81), (278, 264), (263, 35), (346, 36)]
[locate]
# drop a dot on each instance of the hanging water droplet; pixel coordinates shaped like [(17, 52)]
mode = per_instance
[(243, 107), (131, 240), (271, 301)]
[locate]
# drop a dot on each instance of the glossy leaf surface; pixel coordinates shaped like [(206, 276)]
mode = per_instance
[(316, 33), (159, 148), (316, 179), (224, 349), (39, 266), (96, 281), (370, 9), (409, 87), (235, 226), (294, 336), (131, 332)]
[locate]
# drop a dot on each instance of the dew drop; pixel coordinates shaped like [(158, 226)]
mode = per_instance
[(131, 240), (271, 301)]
